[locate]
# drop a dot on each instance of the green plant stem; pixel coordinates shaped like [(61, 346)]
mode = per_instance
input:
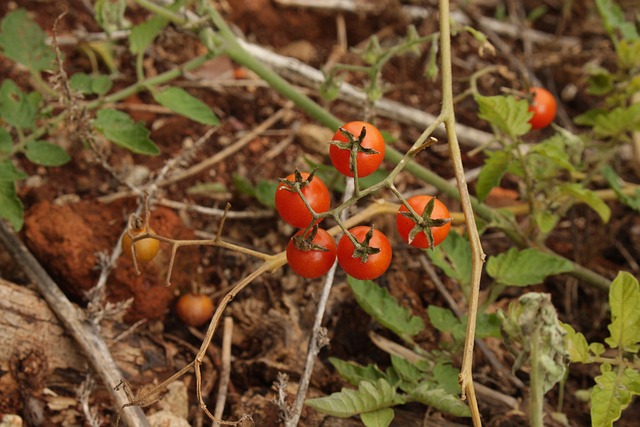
[(536, 390)]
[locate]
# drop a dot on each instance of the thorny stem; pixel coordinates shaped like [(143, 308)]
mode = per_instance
[(466, 371)]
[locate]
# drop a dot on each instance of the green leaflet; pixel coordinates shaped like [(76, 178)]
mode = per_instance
[(23, 41), (526, 267), (506, 113), (624, 299), (180, 101), (370, 396), (385, 309), (120, 129)]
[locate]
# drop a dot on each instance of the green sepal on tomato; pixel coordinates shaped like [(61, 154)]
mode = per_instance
[(311, 255), (291, 206), (435, 226), (368, 143), (370, 259)]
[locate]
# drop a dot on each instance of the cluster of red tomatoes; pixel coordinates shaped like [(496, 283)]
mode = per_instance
[(364, 252)]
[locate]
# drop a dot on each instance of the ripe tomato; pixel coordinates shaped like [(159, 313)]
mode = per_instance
[(290, 206), (311, 259), (370, 149), (433, 220), (194, 309), (363, 264), (146, 249), (544, 108)]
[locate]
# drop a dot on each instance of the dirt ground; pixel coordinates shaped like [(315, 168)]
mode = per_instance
[(76, 213)]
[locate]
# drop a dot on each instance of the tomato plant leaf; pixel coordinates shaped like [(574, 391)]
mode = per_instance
[(406, 370), (624, 299), (614, 182), (109, 14), (23, 41), (370, 396), (447, 377), (453, 256), (577, 345), (385, 309), (5, 141), (494, 168), (8, 172), (354, 373), (506, 113), (120, 129), (618, 121), (545, 220), (88, 84), (439, 399), (180, 101), (266, 192), (555, 150), (142, 35), (611, 396), (11, 207), (380, 418), (17, 108), (526, 267), (443, 319), (580, 193), (613, 20), (46, 154)]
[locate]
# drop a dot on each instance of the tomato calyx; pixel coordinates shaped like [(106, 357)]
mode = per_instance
[(363, 250), (299, 183), (424, 222), (354, 145), (305, 243)]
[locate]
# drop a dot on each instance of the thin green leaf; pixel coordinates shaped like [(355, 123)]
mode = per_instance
[(119, 128), (580, 193), (447, 377), (506, 113), (266, 192), (405, 369), (618, 121), (385, 309), (379, 418), (453, 256), (439, 399), (23, 41), (11, 207), (613, 19), (180, 101), (17, 108), (546, 221), (348, 402), (8, 172), (614, 182), (526, 267), (494, 168), (624, 300), (243, 185), (443, 319), (5, 141), (577, 345), (142, 35), (554, 150), (608, 399), (354, 373), (46, 154)]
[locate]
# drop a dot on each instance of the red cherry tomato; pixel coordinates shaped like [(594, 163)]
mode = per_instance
[(405, 224), (544, 108), (146, 249), (375, 264), (290, 206), (368, 162), (194, 309), (311, 259)]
